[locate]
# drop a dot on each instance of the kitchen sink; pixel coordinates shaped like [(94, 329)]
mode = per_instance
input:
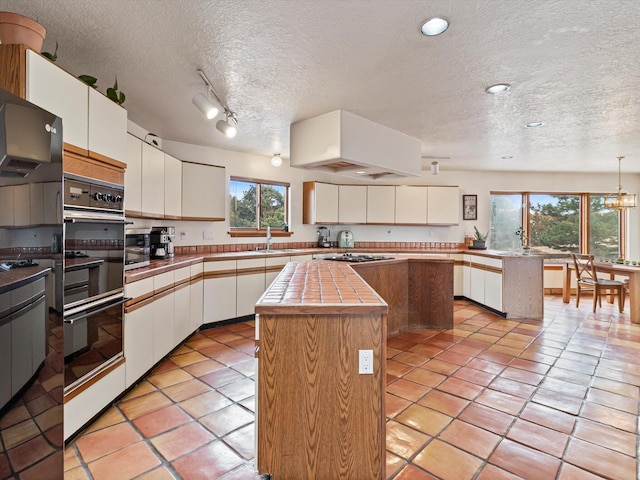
[(275, 250)]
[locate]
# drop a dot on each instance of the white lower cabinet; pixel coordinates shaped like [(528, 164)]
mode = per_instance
[(484, 276), (84, 406), (458, 274), (196, 290), (273, 267), (163, 336), (5, 364), (493, 290), (182, 313), (250, 284), (138, 342), (219, 291)]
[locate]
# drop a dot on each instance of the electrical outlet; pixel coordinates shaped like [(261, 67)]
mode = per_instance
[(207, 235), (365, 362), (183, 235)]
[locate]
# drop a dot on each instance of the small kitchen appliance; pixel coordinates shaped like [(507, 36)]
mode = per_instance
[(162, 241), (137, 248), (347, 257), (345, 239), (323, 237)]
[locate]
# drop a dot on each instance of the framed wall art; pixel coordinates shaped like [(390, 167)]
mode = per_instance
[(469, 207)]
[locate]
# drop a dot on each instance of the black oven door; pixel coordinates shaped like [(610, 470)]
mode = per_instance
[(93, 257), (92, 339)]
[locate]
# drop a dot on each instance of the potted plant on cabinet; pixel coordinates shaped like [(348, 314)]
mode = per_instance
[(16, 28), (479, 240)]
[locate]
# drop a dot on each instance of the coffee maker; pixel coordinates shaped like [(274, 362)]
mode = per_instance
[(323, 237), (161, 239)]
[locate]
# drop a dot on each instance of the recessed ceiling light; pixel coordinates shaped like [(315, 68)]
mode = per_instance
[(534, 124), (361, 172), (497, 88), (507, 157), (434, 26)]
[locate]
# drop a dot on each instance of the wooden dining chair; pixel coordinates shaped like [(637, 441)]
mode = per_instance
[(587, 280)]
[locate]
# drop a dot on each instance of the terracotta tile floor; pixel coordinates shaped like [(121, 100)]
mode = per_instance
[(490, 399)]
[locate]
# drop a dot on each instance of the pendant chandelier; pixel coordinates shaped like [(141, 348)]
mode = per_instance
[(620, 200)]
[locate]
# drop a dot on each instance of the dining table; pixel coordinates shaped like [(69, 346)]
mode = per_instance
[(632, 272)]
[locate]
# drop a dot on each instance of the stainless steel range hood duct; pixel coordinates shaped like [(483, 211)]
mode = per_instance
[(343, 143)]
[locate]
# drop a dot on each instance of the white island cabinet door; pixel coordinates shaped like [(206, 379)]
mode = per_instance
[(107, 128), (62, 94), (443, 206), (411, 205), (133, 176), (381, 204)]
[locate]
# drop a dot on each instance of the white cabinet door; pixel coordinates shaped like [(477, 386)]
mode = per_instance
[(107, 127), (458, 274), (38, 318), (381, 204), (493, 290), (36, 196), (197, 303), (62, 94), (138, 342), (163, 320), (203, 192), (443, 205), (182, 313), (6, 212), (219, 291), (411, 205), (21, 208), (476, 289), (352, 204), (133, 175), (52, 203), (172, 187), (250, 285), (326, 203), (5, 362), (152, 180), (21, 358)]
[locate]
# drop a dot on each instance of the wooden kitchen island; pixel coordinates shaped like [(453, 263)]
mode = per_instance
[(317, 416)]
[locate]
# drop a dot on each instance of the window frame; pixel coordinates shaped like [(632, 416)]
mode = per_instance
[(260, 232), (584, 216)]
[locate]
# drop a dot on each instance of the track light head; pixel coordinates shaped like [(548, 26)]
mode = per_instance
[(435, 168), (205, 105), (228, 126)]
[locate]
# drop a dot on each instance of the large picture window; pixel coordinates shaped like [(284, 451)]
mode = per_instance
[(556, 224), (256, 205)]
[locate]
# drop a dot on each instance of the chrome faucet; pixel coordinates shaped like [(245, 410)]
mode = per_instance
[(269, 240)]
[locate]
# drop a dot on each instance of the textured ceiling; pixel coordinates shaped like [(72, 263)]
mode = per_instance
[(573, 64)]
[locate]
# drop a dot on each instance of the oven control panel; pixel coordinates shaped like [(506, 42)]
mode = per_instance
[(78, 193)]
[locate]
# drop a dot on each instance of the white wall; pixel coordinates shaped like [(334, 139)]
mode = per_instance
[(475, 183)]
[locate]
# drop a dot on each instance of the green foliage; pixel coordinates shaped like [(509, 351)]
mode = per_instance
[(51, 56), (89, 80), (243, 212), (114, 95), (479, 236)]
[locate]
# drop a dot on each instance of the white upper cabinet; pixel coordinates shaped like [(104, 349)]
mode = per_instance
[(443, 206), (381, 204), (60, 93), (320, 203), (107, 127), (152, 181), (411, 205), (352, 204), (203, 192), (172, 187), (133, 176)]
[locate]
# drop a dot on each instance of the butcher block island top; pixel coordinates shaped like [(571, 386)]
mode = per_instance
[(321, 362)]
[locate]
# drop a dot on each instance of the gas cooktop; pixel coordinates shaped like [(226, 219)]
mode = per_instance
[(348, 257), (72, 254), (11, 264)]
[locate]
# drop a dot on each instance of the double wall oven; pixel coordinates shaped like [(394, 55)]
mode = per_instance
[(92, 290)]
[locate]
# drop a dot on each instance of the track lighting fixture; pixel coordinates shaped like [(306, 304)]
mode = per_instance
[(205, 105), (210, 109), (276, 161), (435, 168), (228, 126)]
